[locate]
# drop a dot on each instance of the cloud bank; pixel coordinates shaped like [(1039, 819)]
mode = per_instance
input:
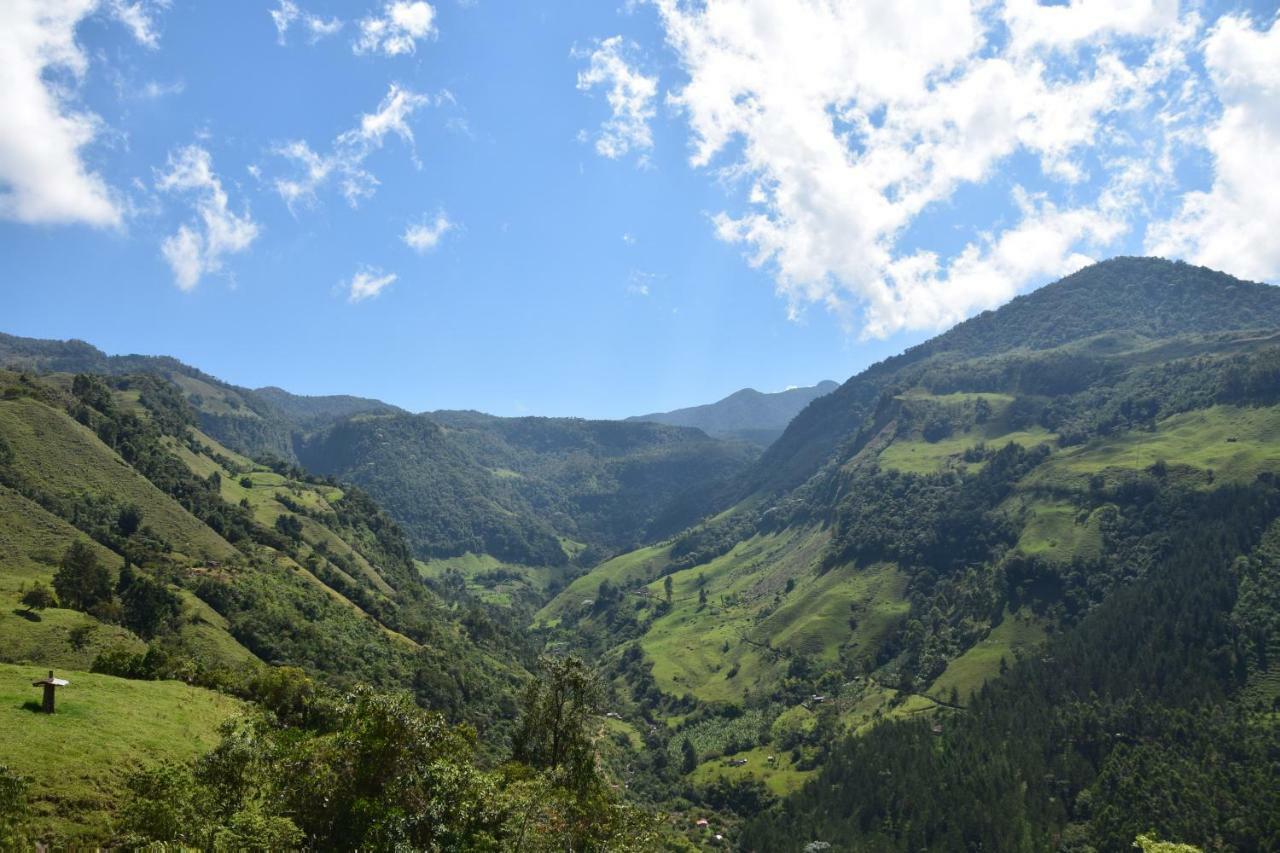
[(841, 129)]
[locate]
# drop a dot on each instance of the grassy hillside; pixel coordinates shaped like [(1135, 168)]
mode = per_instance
[(104, 728), (251, 563), (65, 459)]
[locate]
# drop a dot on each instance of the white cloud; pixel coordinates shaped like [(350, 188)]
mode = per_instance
[(846, 122), (197, 249), (399, 28), (425, 236), (368, 283), (631, 98), (1034, 25), (1234, 225), (288, 13), (139, 16), (43, 131), (346, 159)]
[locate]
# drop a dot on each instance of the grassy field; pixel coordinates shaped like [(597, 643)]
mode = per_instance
[(779, 775), (967, 673), (625, 570), (1056, 530), (493, 581), (1235, 443), (105, 727), (917, 456), (742, 639)]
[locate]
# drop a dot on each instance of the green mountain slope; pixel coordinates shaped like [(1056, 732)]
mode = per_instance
[(522, 489), (240, 562), (917, 531), (533, 493), (1134, 299), (748, 415)]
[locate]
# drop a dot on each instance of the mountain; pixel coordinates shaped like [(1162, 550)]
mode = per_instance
[(1122, 302), (311, 412), (531, 491), (1013, 589), (1018, 561), (259, 422), (534, 492), (747, 415)]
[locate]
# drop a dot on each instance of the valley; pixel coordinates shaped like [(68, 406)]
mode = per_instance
[(987, 559)]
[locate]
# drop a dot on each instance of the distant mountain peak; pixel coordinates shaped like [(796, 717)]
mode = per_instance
[(749, 415)]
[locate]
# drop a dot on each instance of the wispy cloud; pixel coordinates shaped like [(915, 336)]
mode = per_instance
[(345, 160), (288, 13), (630, 94), (198, 248), (140, 17), (398, 29), (639, 281), (368, 283), (425, 236)]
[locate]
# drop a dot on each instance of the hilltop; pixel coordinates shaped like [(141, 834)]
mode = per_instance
[(747, 415)]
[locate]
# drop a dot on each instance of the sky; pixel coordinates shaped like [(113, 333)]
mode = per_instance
[(597, 208)]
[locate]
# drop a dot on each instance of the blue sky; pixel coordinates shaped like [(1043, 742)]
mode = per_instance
[(622, 207)]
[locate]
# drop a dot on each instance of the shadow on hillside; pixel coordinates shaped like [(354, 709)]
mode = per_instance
[(29, 615), (33, 706)]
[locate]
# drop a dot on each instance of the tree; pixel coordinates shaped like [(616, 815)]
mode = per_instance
[(39, 597), (147, 605), (667, 587), (129, 519), (554, 729), (702, 597), (82, 581), (688, 757), (290, 526)]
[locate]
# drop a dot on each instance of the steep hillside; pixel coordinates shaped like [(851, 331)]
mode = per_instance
[(533, 491), (1138, 299), (747, 415), (920, 530), (209, 562)]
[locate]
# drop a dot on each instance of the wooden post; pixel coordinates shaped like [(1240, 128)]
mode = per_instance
[(49, 684)]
